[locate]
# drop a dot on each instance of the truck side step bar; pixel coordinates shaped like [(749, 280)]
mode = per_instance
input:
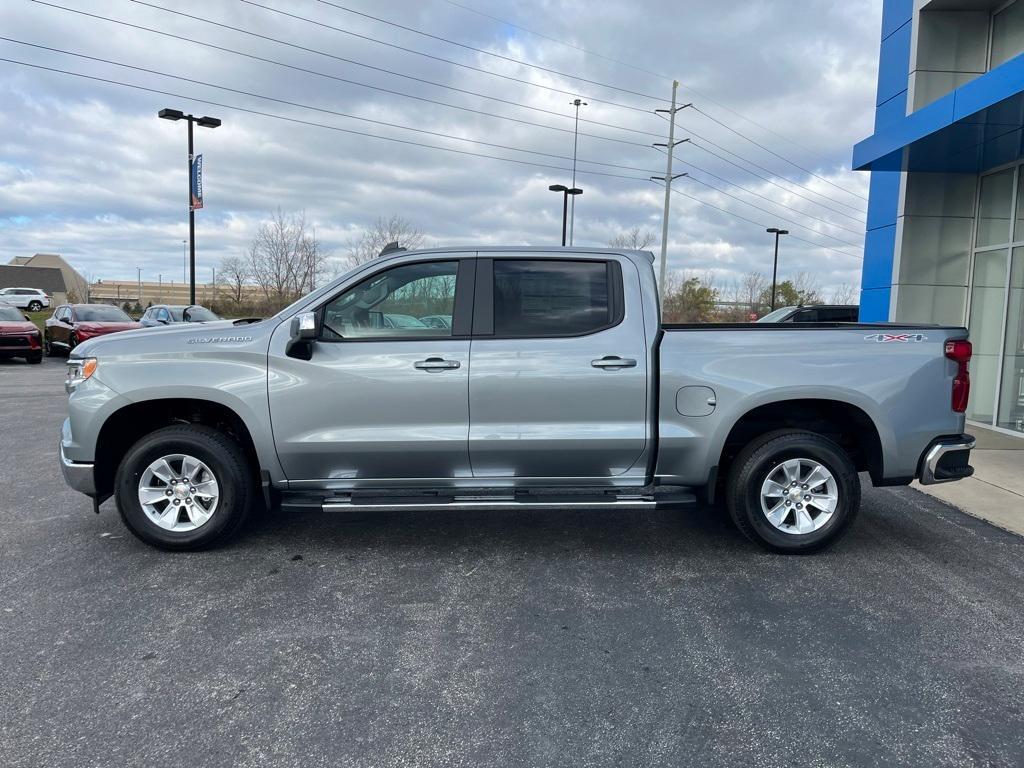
[(469, 500)]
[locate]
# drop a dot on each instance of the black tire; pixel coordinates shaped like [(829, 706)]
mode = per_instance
[(47, 345), (72, 343), (227, 461), (752, 468), (34, 359), (35, 306)]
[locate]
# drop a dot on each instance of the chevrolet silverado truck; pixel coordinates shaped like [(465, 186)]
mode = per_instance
[(555, 384)]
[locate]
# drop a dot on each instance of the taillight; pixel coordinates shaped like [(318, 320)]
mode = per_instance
[(959, 352)]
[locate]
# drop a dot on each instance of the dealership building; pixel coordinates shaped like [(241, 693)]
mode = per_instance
[(945, 224)]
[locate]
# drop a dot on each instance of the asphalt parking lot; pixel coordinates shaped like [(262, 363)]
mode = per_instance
[(496, 639)]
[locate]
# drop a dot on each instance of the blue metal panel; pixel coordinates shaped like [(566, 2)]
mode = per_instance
[(883, 199), (975, 127), (874, 305), (879, 253), (896, 13), (894, 64), (891, 111)]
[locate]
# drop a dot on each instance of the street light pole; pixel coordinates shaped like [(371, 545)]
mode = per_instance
[(775, 266), (204, 122), (566, 192), (575, 138)]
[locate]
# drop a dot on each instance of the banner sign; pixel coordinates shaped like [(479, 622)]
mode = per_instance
[(197, 182)]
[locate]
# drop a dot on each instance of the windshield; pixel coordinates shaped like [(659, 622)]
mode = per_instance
[(196, 314), (8, 314), (100, 314), (778, 314)]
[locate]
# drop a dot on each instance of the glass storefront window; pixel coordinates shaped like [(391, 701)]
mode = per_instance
[(1007, 34), (994, 208), (1011, 396), (988, 289)]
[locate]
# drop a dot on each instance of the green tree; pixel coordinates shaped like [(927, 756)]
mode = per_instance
[(689, 299)]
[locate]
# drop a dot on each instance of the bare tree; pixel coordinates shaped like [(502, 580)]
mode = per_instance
[(753, 286), (369, 244), (844, 294), (285, 258), (632, 240), (235, 271)]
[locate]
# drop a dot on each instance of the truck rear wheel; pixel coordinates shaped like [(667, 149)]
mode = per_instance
[(793, 491), (184, 487)]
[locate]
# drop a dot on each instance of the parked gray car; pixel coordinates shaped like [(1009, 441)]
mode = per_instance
[(555, 385), (168, 314)]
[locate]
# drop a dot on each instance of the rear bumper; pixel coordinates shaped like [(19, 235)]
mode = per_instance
[(946, 459), (78, 476)]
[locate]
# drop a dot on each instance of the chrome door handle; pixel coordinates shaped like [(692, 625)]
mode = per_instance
[(436, 364), (613, 361)]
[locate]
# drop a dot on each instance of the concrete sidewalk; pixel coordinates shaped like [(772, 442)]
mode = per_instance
[(996, 491)]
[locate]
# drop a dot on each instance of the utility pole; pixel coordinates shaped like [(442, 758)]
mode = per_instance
[(575, 137), (184, 261), (667, 178), (566, 194)]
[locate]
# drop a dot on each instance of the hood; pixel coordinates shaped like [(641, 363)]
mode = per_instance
[(161, 338), (91, 326), (16, 326)]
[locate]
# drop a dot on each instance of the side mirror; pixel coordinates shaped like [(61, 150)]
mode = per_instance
[(28, 318), (162, 321), (304, 327), (303, 334)]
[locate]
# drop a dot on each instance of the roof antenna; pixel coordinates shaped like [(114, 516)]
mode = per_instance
[(391, 247)]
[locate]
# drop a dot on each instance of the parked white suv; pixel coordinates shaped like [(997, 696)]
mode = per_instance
[(31, 299)]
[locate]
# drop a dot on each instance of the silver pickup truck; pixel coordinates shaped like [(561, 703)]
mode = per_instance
[(509, 377)]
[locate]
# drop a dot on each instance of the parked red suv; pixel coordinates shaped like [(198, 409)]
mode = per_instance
[(72, 324), (19, 337)]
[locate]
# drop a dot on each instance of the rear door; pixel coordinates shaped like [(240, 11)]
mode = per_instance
[(558, 373)]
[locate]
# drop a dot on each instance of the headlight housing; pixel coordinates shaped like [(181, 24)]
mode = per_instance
[(79, 369)]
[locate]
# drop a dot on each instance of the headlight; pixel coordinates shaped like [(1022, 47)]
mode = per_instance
[(78, 371)]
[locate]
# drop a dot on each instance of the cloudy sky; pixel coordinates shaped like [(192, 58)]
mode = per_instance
[(87, 169)]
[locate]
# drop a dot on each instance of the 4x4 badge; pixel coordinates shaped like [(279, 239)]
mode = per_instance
[(885, 338)]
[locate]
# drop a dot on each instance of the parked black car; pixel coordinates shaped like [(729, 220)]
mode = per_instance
[(817, 313), (168, 314)]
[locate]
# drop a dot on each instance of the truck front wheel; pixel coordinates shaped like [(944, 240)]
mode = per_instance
[(793, 491), (184, 487)]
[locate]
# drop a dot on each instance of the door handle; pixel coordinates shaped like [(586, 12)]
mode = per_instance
[(436, 364), (614, 361)]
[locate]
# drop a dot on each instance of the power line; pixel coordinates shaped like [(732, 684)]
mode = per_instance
[(759, 224), (389, 45), (311, 123), (791, 222), (771, 181), (362, 84), (692, 90), (480, 50), (826, 222), (309, 106), (776, 154), (768, 171)]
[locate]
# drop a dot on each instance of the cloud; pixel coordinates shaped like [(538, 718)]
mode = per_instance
[(89, 171)]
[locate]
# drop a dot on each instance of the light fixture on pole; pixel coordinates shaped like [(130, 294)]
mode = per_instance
[(566, 192), (575, 138), (775, 266), (203, 122)]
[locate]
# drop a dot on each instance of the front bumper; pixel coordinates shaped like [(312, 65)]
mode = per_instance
[(946, 459), (77, 475)]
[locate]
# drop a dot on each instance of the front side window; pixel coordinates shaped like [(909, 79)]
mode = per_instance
[(390, 304), (551, 298)]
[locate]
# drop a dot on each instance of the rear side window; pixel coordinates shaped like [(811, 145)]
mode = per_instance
[(553, 298)]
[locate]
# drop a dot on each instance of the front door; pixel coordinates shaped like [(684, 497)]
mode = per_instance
[(384, 395), (558, 376)]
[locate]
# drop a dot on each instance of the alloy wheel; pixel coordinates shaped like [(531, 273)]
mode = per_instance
[(178, 492), (799, 496)]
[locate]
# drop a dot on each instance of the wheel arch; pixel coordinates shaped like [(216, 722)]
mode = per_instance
[(125, 426), (846, 423)]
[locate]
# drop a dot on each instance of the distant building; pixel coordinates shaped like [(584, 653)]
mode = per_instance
[(119, 291), (73, 285), (48, 279)]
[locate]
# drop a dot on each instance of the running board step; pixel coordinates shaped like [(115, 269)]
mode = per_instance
[(497, 502)]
